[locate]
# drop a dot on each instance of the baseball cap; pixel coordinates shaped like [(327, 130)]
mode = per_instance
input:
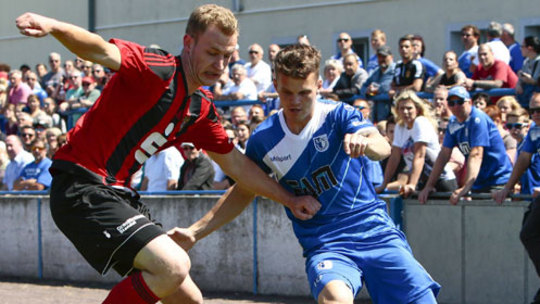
[(460, 92), (384, 51), (87, 79)]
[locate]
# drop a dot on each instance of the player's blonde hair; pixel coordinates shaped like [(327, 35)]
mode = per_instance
[(297, 61), (210, 14), (422, 107)]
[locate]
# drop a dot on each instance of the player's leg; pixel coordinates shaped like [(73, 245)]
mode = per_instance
[(392, 274), (186, 294), (336, 292), (530, 236), (333, 278)]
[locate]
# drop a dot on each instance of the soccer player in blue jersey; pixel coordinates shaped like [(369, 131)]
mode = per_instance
[(528, 160), (316, 147), (477, 137)]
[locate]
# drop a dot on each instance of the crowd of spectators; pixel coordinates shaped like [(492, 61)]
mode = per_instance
[(39, 105)]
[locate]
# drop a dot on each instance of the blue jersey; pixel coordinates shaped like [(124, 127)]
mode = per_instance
[(531, 144), (430, 67), (314, 162), (38, 171), (478, 130)]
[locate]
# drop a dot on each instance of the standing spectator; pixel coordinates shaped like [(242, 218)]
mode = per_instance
[(481, 100), (35, 175), (100, 78), (18, 90), (409, 72), (469, 36), (378, 40), (87, 68), (18, 157), (28, 135), (197, 172), (69, 67), (507, 104), (238, 114), (491, 73), (431, 70), (519, 125), (273, 49), (331, 73), (33, 83), (416, 139), (529, 76), (235, 58), (379, 82), (53, 78), (351, 80), (3, 93), (257, 70), (477, 137), (528, 164), (89, 94), (510, 144), (75, 91), (440, 103), (507, 37), (452, 75), (41, 71), (303, 39), (500, 51), (162, 170), (344, 44)]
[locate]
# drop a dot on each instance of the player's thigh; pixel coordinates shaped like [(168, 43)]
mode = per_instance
[(393, 275), (163, 256), (324, 268), (187, 293), (336, 292)]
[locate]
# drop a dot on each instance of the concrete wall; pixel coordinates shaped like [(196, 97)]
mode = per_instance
[(472, 250)]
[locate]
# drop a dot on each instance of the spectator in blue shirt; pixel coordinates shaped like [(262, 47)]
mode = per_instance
[(507, 37), (35, 175), (470, 129)]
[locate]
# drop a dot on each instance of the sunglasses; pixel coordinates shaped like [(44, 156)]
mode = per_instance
[(27, 135), (360, 107), (442, 129), (38, 148), (253, 52), (516, 125), (534, 110), (188, 148), (452, 103), (343, 40)]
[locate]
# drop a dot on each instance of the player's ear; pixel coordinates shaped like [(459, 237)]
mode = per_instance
[(188, 43)]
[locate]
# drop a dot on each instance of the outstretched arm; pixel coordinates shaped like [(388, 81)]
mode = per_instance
[(79, 41), (369, 143)]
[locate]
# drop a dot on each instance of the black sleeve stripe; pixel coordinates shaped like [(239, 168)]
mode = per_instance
[(160, 62)]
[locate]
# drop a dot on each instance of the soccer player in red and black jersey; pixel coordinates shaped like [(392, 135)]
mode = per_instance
[(153, 101)]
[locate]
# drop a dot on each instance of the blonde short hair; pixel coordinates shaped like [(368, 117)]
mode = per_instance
[(210, 14)]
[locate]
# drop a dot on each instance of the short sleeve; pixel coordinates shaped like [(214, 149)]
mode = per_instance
[(478, 132)]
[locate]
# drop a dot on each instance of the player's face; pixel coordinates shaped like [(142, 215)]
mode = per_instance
[(407, 112), (297, 97), (208, 55)]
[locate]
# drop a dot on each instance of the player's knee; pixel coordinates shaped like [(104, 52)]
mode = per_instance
[(336, 292)]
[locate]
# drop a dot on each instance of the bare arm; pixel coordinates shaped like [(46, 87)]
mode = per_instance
[(369, 143), (419, 159), (253, 179), (79, 41), (473, 168), (522, 163), (391, 166), (438, 167)]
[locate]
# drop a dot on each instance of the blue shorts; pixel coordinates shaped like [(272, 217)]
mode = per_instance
[(388, 268)]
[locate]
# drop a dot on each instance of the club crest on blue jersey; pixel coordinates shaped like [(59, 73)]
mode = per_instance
[(325, 265), (321, 143)]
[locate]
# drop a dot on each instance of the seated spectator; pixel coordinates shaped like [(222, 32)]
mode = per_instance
[(87, 68), (162, 170), (18, 157), (440, 103), (33, 82), (238, 114), (242, 135), (33, 107), (28, 135), (11, 123), (529, 75), (350, 82), (41, 70), (89, 96), (481, 100), (3, 93), (99, 77), (507, 104), (379, 82), (491, 73), (62, 140), (400, 175), (74, 92), (409, 72), (452, 75), (4, 161), (510, 144), (256, 114), (52, 135), (432, 70), (242, 89), (221, 180), (477, 137), (49, 106), (363, 107), (18, 90), (197, 172), (457, 160), (416, 139), (223, 83), (332, 71), (35, 175)]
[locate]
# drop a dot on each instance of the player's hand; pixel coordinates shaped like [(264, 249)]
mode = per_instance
[(304, 207), (34, 25), (500, 195), (354, 144), (424, 194), (183, 237)]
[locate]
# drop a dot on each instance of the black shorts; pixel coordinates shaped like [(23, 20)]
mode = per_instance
[(108, 226)]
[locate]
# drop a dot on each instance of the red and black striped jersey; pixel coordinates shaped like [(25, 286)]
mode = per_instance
[(143, 109)]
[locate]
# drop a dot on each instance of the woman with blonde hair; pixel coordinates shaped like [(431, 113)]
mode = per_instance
[(416, 139), (507, 104), (332, 70)]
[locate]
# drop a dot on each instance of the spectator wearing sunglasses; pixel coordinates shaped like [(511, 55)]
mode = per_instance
[(344, 44), (510, 144), (488, 166), (18, 159), (197, 172), (35, 175)]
